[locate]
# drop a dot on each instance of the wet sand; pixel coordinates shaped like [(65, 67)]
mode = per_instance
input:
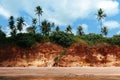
[(59, 71), (63, 78)]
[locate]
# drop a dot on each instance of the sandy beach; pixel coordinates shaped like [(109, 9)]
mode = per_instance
[(59, 71)]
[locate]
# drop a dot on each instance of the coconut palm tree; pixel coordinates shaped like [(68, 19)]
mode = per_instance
[(80, 31), (46, 27), (57, 29), (12, 26), (34, 22), (39, 12), (69, 29), (20, 23), (100, 16), (11, 22), (104, 30)]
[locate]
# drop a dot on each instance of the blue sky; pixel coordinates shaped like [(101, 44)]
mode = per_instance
[(63, 13)]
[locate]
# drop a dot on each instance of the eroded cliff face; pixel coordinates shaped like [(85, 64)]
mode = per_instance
[(44, 54)]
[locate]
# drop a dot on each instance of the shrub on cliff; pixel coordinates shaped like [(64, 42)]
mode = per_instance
[(2, 37), (25, 40), (62, 38), (38, 37), (115, 40), (92, 38)]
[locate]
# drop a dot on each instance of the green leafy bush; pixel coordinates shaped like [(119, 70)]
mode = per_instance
[(2, 37), (62, 38), (78, 39), (93, 38), (38, 37), (25, 40), (115, 40)]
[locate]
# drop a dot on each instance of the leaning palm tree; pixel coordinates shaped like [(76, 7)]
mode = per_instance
[(104, 30), (100, 16), (80, 31), (69, 29), (39, 12), (20, 23)]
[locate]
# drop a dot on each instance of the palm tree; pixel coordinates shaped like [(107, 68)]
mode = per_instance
[(80, 31), (11, 22), (34, 21), (12, 26), (69, 29), (100, 16), (20, 23), (104, 30), (57, 29), (39, 12), (46, 27)]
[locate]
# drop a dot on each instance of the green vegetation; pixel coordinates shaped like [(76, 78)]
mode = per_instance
[(2, 36), (92, 38), (25, 40), (49, 32), (115, 40), (62, 38)]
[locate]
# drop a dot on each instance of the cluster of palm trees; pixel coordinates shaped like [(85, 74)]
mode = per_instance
[(45, 26), (100, 16), (19, 26)]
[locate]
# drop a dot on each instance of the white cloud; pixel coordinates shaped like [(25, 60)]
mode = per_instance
[(85, 27), (118, 33), (4, 13), (62, 12), (110, 7), (6, 30), (74, 31), (111, 24)]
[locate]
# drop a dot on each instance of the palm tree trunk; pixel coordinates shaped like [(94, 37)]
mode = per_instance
[(39, 20)]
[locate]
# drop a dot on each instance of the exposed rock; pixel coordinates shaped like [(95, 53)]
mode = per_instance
[(43, 55)]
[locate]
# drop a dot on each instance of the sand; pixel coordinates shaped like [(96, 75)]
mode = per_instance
[(59, 71)]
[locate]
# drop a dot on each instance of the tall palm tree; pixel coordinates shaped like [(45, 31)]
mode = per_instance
[(20, 23), (100, 16), (104, 30), (11, 22), (39, 12), (34, 21), (80, 31), (12, 26), (69, 29)]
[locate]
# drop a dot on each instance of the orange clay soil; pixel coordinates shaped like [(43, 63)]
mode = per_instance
[(43, 55)]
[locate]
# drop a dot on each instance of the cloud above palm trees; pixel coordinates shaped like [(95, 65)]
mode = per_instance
[(62, 12)]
